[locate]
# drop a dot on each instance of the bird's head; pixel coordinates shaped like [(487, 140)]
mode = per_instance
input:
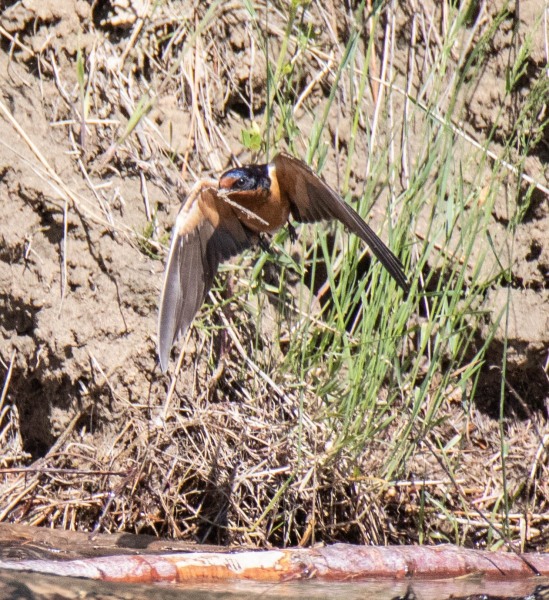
[(243, 179)]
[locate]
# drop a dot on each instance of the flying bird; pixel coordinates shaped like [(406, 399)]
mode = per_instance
[(221, 219)]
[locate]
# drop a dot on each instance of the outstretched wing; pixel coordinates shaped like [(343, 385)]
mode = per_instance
[(313, 200), (206, 232)]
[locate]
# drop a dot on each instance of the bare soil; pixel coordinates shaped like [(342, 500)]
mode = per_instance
[(86, 213)]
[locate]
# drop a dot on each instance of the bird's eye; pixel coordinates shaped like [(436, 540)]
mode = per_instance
[(241, 182)]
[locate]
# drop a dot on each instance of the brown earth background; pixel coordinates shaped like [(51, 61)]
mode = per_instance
[(238, 455)]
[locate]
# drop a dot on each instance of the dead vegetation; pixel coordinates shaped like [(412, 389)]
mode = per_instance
[(263, 435)]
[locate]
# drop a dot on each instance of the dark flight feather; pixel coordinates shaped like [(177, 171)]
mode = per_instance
[(313, 200), (197, 248)]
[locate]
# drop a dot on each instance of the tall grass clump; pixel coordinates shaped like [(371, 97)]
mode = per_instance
[(393, 376)]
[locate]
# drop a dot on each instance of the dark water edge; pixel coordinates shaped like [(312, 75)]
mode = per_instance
[(374, 590), (34, 585)]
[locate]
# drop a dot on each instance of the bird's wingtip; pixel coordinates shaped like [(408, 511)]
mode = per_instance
[(404, 284), (163, 358)]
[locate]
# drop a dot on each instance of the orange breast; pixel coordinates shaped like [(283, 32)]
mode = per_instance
[(262, 210)]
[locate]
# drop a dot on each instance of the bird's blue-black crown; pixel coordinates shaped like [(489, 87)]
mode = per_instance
[(251, 177)]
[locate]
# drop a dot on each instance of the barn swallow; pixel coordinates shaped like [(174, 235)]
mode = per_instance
[(219, 220)]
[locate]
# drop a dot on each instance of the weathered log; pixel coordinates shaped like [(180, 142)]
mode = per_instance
[(331, 563)]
